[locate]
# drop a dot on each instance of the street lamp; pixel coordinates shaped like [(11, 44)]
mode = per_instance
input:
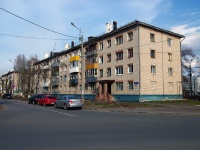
[(82, 61), (13, 86)]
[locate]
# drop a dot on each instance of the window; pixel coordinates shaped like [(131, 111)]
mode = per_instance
[(109, 43), (101, 73), (60, 88), (153, 69), (65, 78), (108, 72), (171, 86), (109, 57), (153, 85), (130, 36), (130, 53), (74, 64), (119, 40), (170, 71), (169, 42), (170, 56), (152, 54), (65, 68), (64, 87), (152, 37), (91, 72), (130, 85), (60, 78), (119, 55), (119, 70), (101, 59), (130, 68), (93, 86), (101, 46), (119, 86)]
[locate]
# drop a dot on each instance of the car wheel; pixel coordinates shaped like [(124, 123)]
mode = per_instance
[(65, 106), (38, 103), (55, 105)]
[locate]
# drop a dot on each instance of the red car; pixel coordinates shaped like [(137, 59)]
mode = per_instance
[(46, 100)]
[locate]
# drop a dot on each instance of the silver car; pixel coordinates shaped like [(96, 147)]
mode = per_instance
[(68, 101)]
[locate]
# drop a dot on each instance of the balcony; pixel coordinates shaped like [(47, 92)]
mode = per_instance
[(46, 67), (75, 58), (91, 53), (74, 69), (91, 79), (45, 84), (55, 81), (91, 66), (54, 74), (73, 81)]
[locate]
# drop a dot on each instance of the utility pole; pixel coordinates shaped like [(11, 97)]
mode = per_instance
[(82, 61)]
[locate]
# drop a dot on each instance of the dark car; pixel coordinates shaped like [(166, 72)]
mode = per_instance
[(34, 98), (7, 96)]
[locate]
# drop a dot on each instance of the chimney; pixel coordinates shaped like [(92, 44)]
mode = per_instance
[(114, 25), (72, 44)]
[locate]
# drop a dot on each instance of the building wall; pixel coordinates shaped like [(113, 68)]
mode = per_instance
[(160, 83)]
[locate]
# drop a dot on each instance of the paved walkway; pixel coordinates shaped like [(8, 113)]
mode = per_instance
[(167, 110)]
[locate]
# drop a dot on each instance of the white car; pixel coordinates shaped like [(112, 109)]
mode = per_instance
[(68, 101)]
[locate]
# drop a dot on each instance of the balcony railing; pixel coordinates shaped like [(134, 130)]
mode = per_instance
[(73, 81), (55, 83), (94, 52), (45, 84), (91, 79), (55, 74), (74, 69)]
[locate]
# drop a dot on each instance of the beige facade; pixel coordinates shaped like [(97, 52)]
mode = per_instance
[(131, 63)]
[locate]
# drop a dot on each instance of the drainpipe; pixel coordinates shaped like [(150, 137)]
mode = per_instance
[(181, 66), (139, 70)]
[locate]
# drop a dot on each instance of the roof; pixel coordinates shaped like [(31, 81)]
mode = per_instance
[(113, 32)]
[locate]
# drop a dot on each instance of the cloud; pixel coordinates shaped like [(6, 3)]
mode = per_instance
[(192, 37)]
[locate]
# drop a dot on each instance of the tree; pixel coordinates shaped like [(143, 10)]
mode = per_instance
[(25, 69), (187, 56)]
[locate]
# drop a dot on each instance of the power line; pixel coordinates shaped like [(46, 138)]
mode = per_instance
[(29, 37), (186, 23), (36, 24)]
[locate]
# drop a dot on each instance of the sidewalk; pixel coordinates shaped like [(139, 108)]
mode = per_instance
[(167, 110)]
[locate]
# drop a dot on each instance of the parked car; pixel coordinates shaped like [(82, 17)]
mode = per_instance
[(33, 99), (46, 100), (68, 101), (7, 96)]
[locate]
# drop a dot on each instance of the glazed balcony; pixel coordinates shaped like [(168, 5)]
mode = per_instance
[(91, 53), (73, 81)]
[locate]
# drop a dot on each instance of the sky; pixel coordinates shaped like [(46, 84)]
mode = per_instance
[(20, 37)]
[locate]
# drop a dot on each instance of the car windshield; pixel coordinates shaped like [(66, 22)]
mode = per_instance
[(51, 97)]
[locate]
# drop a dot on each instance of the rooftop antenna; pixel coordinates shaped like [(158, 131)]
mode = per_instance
[(54, 47)]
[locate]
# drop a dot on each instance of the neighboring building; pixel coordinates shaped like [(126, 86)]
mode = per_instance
[(9, 83), (134, 62)]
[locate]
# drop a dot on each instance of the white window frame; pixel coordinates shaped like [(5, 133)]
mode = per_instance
[(100, 59), (119, 70), (119, 40), (130, 68), (119, 55), (129, 36), (169, 42), (119, 86), (130, 85), (153, 69)]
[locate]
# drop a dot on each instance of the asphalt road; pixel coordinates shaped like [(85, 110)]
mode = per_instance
[(30, 127)]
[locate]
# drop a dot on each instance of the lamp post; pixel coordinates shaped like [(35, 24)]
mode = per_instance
[(13, 86), (82, 61), (191, 77)]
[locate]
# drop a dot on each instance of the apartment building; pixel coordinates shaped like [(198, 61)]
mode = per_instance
[(134, 62), (9, 83)]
